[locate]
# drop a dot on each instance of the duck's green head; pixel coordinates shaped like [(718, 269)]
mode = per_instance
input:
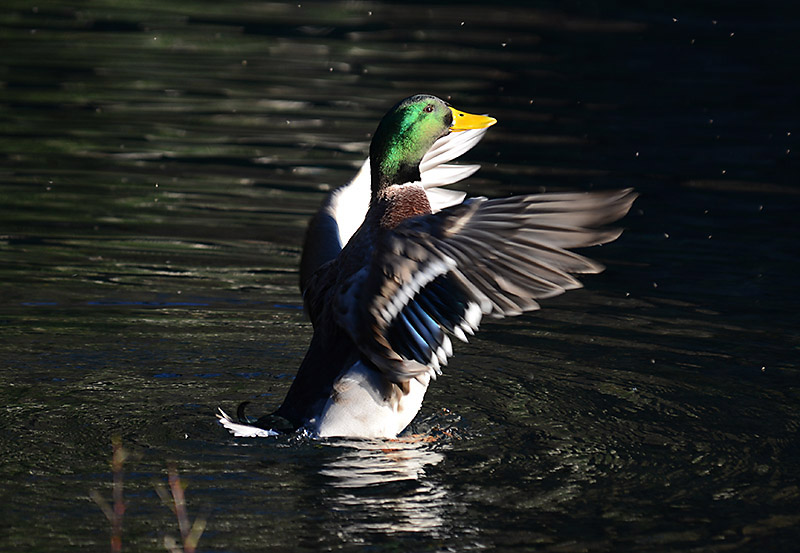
[(408, 131)]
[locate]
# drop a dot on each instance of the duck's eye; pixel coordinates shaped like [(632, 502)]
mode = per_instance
[(428, 108)]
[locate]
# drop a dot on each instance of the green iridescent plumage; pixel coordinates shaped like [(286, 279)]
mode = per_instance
[(404, 136)]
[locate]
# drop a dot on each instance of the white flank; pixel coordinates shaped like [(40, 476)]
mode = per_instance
[(359, 409)]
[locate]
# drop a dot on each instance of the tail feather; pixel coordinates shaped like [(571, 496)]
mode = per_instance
[(242, 429)]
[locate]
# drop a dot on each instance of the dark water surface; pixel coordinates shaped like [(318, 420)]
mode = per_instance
[(158, 163)]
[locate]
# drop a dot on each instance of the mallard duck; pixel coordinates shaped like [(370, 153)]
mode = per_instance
[(394, 267)]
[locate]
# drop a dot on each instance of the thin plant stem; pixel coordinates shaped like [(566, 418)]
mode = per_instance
[(180, 502), (190, 533), (117, 460), (115, 512)]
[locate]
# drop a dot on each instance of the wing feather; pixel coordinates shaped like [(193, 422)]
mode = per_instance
[(437, 275)]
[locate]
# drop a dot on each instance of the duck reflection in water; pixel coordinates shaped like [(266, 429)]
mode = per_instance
[(394, 266), (381, 487)]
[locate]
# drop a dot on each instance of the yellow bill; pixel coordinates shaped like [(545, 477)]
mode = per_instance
[(466, 121)]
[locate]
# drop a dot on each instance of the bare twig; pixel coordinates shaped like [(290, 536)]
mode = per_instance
[(114, 513), (117, 459), (190, 532), (163, 494), (180, 502), (173, 498), (103, 504)]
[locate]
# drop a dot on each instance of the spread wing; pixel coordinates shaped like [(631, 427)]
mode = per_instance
[(435, 276)]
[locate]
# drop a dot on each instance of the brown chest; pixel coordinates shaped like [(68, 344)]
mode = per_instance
[(400, 202)]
